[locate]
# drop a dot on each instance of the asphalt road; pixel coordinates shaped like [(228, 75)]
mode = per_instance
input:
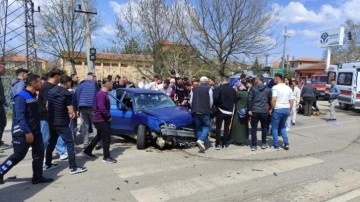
[(322, 164)]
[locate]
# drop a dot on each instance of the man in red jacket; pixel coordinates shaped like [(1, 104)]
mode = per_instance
[(102, 119)]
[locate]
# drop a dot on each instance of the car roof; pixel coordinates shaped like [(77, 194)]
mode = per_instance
[(139, 90)]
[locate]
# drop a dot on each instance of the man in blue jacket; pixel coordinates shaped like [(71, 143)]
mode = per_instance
[(18, 83), (85, 95), (26, 132), (334, 94)]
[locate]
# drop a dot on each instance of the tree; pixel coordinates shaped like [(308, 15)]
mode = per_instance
[(132, 47), (350, 51), (62, 32), (257, 68), (225, 29)]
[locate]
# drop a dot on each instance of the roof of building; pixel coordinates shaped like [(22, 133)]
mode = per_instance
[(118, 56), (314, 60), (21, 58), (318, 66)]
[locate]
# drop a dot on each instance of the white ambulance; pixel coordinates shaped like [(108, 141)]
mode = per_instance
[(347, 76)]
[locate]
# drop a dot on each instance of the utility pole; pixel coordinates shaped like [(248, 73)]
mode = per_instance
[(83, 9), (286, 35), (266, 59), (31, 54)]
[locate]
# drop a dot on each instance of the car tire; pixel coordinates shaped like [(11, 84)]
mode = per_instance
[(141, 137), (344, 106)]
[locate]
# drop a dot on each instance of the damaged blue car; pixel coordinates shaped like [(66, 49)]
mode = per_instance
[(150, 117)]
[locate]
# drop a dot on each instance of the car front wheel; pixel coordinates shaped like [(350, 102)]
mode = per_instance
[(141, 137)]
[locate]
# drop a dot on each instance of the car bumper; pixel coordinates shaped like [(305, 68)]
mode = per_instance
[(178, 133)]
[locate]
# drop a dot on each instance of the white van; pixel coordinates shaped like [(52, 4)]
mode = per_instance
[(347, 76)]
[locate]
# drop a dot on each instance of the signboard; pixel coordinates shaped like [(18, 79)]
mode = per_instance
[(332, 37), (278, 71)]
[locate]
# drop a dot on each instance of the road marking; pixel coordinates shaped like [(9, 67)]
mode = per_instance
[(152, 168), (210, 181), (347, 197), (324, 124), (320, 189)]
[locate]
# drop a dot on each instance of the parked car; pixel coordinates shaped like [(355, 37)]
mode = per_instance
[(150, 116)]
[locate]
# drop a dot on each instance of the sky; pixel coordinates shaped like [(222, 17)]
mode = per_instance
[(305, 19)]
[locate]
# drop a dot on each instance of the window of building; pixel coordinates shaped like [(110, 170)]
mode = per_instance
[(292, 65), (345, 79), (124, 65)]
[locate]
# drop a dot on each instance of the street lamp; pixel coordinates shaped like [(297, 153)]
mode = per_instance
[(286, 35)]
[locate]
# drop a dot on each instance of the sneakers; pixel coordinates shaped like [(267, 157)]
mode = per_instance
[(89, 155), (293, 123), (98, 147), (286, 147), (276, 148), (253, 148), (42, 180), (217, 147), (1, 179), (109, 160), (64, 156), (263, 146), (201, 145), (77, 170), (331, 120), (51, 166)]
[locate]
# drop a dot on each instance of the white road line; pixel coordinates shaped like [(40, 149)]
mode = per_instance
[(208, 182), (346, 197), (152, 168), (320, 189), (324, 124)]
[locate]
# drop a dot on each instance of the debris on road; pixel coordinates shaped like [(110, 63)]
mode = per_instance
[(256, 169), (12, 177), (118, 188), (275, 174), (126, 181)]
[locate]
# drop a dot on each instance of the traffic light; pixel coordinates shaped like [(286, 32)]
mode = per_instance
[(349, 36), (93, 54)]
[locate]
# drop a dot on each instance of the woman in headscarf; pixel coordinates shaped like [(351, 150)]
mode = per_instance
[(240, 127)]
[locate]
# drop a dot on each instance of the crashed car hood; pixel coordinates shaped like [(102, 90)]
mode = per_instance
[(180, 116)]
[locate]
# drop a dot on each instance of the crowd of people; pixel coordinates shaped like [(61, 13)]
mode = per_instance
[(45, 112)]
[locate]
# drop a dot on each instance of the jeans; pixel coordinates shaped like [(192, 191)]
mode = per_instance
[(2, 120), (60, 145), (73, 127), (263, 118), (202, 125), (294, 113), (86, 115), (103, 133), (65, 133), (220, 118), (20, 150), (308, 103), (333, 103), (279, 118)]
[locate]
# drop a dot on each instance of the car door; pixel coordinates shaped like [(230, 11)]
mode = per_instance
[(122, 113)]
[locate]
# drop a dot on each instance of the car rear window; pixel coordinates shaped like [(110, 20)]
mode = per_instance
[(345, 79)]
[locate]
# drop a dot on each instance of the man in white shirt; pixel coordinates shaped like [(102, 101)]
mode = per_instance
[(281, 103), (143, 83), (165, 87), (155, 84)]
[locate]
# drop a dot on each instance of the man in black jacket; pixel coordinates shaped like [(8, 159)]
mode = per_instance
[(224, 100), (201, 101), (259, 102), (308, 94), (26, 131)]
